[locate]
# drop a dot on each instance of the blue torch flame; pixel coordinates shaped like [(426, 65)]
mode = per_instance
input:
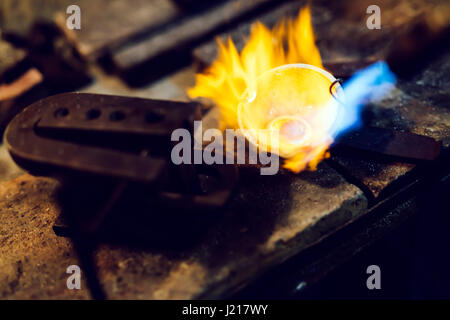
[(371, 83)]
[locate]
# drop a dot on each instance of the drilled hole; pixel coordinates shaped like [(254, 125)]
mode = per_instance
[(117, 116), (61, 112), (93, 114), (153, 117)]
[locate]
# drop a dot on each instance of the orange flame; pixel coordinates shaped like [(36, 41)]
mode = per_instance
[(230, 78)]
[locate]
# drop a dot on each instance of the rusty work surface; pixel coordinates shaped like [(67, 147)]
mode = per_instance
[(33, 260), (270, 219)]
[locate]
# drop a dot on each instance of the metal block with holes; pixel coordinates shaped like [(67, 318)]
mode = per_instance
[(116, 137)]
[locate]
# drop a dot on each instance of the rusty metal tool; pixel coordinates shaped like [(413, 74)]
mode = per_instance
[(120, 137), (407, 146)]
